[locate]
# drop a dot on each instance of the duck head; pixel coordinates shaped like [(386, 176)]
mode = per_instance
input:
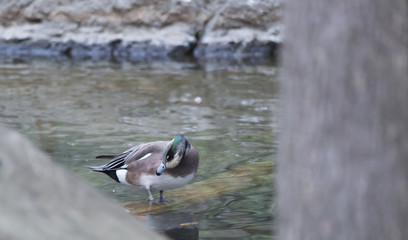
[(174, 153)]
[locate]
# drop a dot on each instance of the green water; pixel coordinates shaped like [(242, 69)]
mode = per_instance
[(75, 111)]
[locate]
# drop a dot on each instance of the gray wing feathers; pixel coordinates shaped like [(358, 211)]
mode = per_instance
[(141, 150), (135, 153)]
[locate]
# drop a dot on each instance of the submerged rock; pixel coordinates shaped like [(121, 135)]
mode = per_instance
[(140, 29)]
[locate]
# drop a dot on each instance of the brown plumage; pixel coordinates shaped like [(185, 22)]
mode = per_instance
[(160, 165)]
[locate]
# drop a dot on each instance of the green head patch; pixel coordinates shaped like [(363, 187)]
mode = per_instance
[(176, 142)]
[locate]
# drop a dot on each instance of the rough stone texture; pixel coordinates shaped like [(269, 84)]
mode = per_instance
[(343, 169), (155, 29), (41, 201)]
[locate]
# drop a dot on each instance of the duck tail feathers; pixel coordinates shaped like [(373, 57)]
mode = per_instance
[(97, 168), (110, 172), (105, 157)]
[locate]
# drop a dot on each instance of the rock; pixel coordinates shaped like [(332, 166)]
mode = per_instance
[(155, 29), (244, 28), (41, 201)]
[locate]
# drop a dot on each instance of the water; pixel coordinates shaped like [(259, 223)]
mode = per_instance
[(75, 111)]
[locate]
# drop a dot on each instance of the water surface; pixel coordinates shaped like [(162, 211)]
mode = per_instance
[(75, 111)]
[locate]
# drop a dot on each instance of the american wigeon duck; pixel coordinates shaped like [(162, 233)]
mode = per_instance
[(161, 165)]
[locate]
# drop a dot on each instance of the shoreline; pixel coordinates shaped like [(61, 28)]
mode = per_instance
[(141, 30)]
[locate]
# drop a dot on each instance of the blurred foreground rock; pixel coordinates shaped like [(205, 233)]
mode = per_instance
[(343, 169), (140, 29), (41, 201)]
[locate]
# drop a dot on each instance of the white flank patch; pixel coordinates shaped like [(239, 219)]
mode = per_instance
[(165, 181), (121, 174), (146, 156)]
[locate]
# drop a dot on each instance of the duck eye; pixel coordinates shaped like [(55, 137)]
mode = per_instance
[(170, 155)]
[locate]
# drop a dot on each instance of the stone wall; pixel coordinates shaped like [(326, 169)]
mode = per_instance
[(140, 29)]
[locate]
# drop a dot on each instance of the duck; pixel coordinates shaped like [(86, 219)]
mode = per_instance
[(160, 165)]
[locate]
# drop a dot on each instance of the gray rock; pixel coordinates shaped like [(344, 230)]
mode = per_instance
[(39, 200), (156, 29)]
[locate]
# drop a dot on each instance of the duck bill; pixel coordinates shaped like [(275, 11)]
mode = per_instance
[(160, 169)]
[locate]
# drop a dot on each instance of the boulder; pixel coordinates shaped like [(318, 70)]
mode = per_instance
[(41, 201), (140, 29)]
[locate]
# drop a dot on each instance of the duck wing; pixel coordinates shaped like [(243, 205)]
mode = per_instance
[(145, 150), (135, 153)]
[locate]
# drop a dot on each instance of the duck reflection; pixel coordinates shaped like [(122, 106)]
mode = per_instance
[(175, 225)]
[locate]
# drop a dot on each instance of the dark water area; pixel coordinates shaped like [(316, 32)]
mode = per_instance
[(75, 111)]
